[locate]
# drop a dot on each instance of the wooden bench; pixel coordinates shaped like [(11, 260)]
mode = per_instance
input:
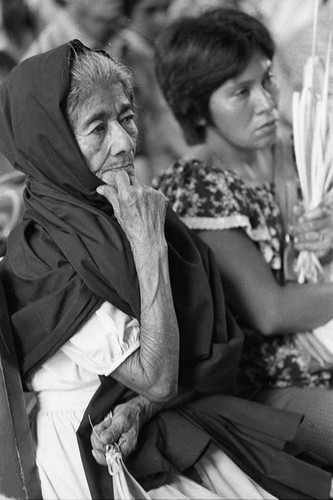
[(18, 471)]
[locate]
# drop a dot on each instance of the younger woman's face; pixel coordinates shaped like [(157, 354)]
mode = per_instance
[(243, 109)]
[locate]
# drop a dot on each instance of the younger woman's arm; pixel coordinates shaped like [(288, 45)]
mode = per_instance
[(252, 290)]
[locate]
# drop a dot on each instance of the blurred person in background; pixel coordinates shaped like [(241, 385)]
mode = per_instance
[(18, 27), (94, 22), (295, 48), (7, 63), (12, 182), (196, 7), (45, 10), (12, 185), (284, 17), (160, 138)]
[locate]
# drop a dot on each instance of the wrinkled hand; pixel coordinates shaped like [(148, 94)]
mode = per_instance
[(313, 230), (139, 210), (122, 428)]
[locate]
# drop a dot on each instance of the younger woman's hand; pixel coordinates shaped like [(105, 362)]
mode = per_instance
[(313, 230)]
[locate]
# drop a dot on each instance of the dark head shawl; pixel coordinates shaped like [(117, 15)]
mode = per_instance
[(69, 254)]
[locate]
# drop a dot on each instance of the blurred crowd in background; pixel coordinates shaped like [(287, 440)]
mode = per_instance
[(127, 30)]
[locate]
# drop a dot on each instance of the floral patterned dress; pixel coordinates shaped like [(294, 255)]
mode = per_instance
[(208, 198)]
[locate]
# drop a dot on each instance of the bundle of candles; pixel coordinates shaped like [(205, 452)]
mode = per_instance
[(313, 146), (313, 143)]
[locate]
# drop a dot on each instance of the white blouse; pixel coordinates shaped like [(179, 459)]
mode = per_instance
[(64, 385), (97, 348)]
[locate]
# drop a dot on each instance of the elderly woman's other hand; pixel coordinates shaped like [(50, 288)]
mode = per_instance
[(139, 210), (313, 230), (122, 427)]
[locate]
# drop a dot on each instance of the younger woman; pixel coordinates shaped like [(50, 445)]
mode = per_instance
[(216, 72)]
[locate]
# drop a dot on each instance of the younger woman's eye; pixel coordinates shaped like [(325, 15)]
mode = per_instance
[(268, 80), (242, 92)]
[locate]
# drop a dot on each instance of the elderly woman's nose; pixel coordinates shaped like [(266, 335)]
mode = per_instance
[(120, 140)]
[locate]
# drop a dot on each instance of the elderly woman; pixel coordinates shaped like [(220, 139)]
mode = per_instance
[(117, 307)]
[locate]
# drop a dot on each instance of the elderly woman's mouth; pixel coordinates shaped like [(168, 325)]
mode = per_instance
[(123, 167), (107, 173), (128, 167)]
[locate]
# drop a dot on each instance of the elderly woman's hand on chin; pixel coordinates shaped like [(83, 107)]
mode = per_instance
[(139, 210), (152, 370)]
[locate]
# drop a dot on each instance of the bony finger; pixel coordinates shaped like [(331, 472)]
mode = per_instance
[(107, 191), (135, 182), (110, 435), (104, 424), (126, 445), (95, 441), (110, 194), (99, 457), (121, 180), (108, 177), (121, 441)]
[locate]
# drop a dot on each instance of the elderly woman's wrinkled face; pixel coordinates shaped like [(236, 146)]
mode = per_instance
[(105, 130), (243, 109)]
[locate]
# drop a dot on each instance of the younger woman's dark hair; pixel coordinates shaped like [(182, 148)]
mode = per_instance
[(196, 55)]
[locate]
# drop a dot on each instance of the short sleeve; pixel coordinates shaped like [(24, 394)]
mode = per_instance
[(104, 341), (205, 198)]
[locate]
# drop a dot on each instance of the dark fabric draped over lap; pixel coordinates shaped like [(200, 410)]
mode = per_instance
[(253, 436), (257, 438)]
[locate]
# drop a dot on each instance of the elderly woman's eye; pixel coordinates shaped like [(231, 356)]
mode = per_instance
[(99, 129)]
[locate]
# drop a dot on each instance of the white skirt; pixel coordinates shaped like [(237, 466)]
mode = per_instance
[(62, 474)]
